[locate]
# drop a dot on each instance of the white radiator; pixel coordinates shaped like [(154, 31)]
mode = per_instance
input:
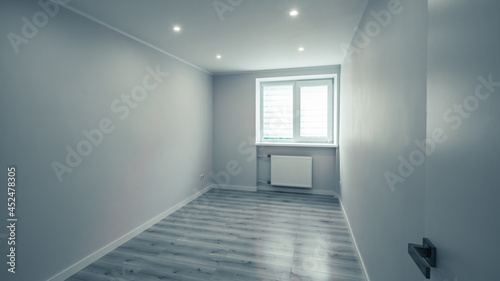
[(291, 171)]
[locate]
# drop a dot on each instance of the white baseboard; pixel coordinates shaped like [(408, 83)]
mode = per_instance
[(237, 187), (68, 272), (354, 241), (279, 189), (298, 190)]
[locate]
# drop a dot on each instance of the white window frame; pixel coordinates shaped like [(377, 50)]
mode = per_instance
[(330, 141)]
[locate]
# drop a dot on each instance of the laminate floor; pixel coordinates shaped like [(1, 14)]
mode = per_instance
[(236, 235)]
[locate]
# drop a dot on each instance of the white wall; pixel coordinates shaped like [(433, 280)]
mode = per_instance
[(234, 132), (462, 189), (63, 81), (382, 101)]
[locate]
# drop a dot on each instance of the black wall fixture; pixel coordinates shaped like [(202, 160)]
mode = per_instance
[(424, 256)]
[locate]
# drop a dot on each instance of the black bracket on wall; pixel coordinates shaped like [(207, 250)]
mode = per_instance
[(424, 256)]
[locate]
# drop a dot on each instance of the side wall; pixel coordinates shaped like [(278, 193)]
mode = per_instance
[(234, 134), (382, 105), (74, 75)]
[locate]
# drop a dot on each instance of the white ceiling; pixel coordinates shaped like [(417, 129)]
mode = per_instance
[(250, 35)]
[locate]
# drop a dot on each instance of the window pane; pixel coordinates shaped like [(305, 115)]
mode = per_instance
[(314, 111), (277, 112)]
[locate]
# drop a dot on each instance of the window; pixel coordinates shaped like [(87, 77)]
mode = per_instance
[(296, 110)]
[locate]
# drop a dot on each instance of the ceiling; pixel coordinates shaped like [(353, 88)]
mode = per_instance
[(249, 34)]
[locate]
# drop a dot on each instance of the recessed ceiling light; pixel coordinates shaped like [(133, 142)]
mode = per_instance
[(219, 57), (293, 13), (177, 28), (301, 49)]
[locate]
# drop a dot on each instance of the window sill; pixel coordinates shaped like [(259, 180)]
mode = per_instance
[(295, 144)]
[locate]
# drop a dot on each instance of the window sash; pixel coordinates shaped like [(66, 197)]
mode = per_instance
[(282, 116), (328, 110)]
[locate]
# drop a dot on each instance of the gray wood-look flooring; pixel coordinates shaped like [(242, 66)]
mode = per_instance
[(235, 235)]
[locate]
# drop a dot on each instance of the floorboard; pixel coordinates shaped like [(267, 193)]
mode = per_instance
[(235, 235)]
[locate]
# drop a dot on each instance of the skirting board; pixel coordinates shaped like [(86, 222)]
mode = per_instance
[(354, 240), (298, 190), (68, 272), (279, 189), (237, 187)]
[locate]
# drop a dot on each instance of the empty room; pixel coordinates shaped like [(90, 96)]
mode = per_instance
[(304, 140)]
